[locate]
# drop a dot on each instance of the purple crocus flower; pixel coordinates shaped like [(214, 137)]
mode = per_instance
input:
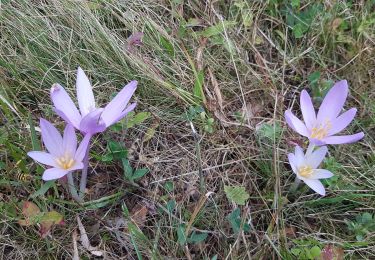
[(63, 154), (91, 120), (305, 167), (321, 128)]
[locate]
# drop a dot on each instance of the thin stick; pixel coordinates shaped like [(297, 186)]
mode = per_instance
[(199, 162), (72, 188)]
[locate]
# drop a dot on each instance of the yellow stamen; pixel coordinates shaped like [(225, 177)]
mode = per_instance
[(65, 162), (305, 171), (321, 131)]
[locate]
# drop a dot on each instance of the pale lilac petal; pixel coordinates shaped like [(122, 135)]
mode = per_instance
[(299, 156), (76, 166), (344, 139), (85, 96), (92, 122), (321, 174), (308, 111), (69, 141), (317, 142), (296, 124), (82, 148), (125, 112), (316, 185), (316, 158), (64, 104), (51, 138), (342, 121), (43, 157), (115, 108), (53, 174), (333, 102), (292, 162)]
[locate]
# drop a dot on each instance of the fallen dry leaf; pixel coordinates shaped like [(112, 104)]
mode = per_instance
[(215, 85), (138, 214), (331, 252), (85, 240)]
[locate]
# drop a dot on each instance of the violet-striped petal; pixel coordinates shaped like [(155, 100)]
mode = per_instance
[(308, 111), (69, 141), (92, 122), (342, 121), (344, 139), (64, 105), (82, 148), (296, 124), (51, 137), (124, 113), (115, 108), (316, 185), (317, 156), (321, 174), (43, 157), (333, 102), (85, 96), (53, 174)]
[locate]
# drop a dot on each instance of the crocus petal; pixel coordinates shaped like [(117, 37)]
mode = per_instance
[(43, 157), (333, 102), (296, 124), (53, 174), (124, 113), (69, 140), (321, 174), (292, 162), (115, 108), (308, 111), (316, 185), (344, 139), (342, 121), (65, 105), (299, 156), (77, 166), (82, 148), (51, 137), (85, 95), (92, 123), (316, 158), (317, 142)]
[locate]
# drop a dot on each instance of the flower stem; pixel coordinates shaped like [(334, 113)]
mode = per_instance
[(293, 188), (83, 183), (72, 188)]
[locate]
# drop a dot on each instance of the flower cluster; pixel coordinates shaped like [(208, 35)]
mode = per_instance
[(321, 129), (63, 155)]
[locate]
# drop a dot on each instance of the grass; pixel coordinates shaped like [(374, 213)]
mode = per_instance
[(244, 63)]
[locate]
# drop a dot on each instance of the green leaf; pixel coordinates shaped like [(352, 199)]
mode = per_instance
[(315, 251), (236, 194), (34, 140), (136, 119), (197, 237), (169, 186), (314, 77), (270, 131), (181, 238), (218, 28), (128, 170), (43, 189), (170, 206), (167, 45), (139, 173), (235, 221), (198, 86)]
